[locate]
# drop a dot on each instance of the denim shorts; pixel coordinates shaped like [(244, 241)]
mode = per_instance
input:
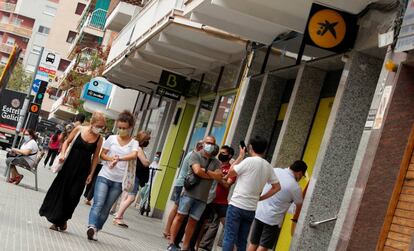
[(136, 187), (191, 206), (176, 194)]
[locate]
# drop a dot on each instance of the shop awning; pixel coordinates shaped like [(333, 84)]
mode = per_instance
[(174, 44), (261, 20)]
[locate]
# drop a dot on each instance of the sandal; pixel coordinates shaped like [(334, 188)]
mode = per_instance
[(63, 227), (119, 222), (166, 236), (11, 180), (54, 227), (18, 179)]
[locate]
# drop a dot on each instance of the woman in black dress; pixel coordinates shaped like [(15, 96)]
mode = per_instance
[(64, 194)]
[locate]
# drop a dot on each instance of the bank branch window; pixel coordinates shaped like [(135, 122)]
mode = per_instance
[(200, 127), (222, 117)]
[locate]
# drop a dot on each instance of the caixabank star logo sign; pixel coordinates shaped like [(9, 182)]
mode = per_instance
[(331, 29)]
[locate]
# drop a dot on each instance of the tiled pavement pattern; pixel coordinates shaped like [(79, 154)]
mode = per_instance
[(21, 227)]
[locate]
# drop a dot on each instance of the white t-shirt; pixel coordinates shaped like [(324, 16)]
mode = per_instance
[(252, 175), (272, 211), (30, 145), (116, 174)]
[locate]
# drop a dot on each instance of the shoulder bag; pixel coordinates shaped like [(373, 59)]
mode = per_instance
[(128, 181), (57, 165), (191, 180)]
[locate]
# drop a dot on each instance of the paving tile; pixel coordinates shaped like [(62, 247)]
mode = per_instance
[(21, 227)]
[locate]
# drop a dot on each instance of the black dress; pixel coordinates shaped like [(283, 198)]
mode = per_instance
[(64, 194)]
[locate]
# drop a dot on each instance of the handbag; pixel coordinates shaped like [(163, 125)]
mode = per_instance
[(128, 181), (11, 154), (191, 180), (57, 165)]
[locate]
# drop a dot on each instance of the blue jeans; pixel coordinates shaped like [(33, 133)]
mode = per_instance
[(237, 227), (105, 194)]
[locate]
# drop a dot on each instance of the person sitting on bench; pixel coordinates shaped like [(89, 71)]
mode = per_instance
[(24, 157)]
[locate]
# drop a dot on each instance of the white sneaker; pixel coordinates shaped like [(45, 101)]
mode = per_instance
[(92, 234)]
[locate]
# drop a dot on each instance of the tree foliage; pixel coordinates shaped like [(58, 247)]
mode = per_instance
[(20, 80)]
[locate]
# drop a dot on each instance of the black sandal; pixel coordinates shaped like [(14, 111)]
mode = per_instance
[(54, 227)]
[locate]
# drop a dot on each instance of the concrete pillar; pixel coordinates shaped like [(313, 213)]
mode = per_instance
[(299, 115), (337, 152), (244, 110), (267, 107)]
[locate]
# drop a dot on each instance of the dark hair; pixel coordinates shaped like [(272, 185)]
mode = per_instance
[(299, 166), (56, 135), (80, 117), (229, 149), (32, 133), (259, 144), (126, 116)]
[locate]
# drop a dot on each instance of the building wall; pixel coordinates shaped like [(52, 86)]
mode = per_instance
[(44, 14), (67, 21)]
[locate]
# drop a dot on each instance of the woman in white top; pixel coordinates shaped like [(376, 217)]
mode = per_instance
[(116, 152), (27, 156), (143, 138)]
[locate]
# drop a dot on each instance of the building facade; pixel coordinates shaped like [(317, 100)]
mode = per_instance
[(347, 114)]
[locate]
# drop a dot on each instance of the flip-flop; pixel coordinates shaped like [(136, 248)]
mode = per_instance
[(18, 179), (119, 223), (166, 236)]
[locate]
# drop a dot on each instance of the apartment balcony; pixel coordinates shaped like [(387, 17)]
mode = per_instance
[(120, 15), (7, 6), (16, 30), (91, 30), (260, 21), (6, 48), (159, 38), (62, 109)]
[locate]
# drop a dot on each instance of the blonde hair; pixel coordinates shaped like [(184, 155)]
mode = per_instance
[(143, 136), (97, 116)]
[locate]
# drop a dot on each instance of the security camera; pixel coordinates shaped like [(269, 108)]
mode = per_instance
[(126, 56)]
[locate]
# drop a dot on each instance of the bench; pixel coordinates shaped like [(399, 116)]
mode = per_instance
[(32, 169)]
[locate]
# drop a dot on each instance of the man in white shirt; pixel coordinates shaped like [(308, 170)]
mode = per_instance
[(252, 175), (270, 212)]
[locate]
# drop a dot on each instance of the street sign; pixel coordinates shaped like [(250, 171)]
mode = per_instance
[(49, 60), (164, 92), (36, 84), (330, 29), (98, 90), (174, 82), (48, 66)]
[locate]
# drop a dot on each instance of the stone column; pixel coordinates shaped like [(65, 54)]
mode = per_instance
[(299, 115), (244, 111), (267, 107), (337, 152)]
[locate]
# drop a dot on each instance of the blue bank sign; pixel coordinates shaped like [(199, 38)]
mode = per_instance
[(98, 90)]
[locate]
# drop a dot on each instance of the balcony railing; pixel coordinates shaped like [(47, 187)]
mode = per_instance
[(7, 6), (17, 30), (95, 20), (6, 48)]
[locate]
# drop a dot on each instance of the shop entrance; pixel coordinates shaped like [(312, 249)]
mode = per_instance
[(312, 146)]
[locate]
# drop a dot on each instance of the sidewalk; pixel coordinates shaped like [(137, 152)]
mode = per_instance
[(21, 227)]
